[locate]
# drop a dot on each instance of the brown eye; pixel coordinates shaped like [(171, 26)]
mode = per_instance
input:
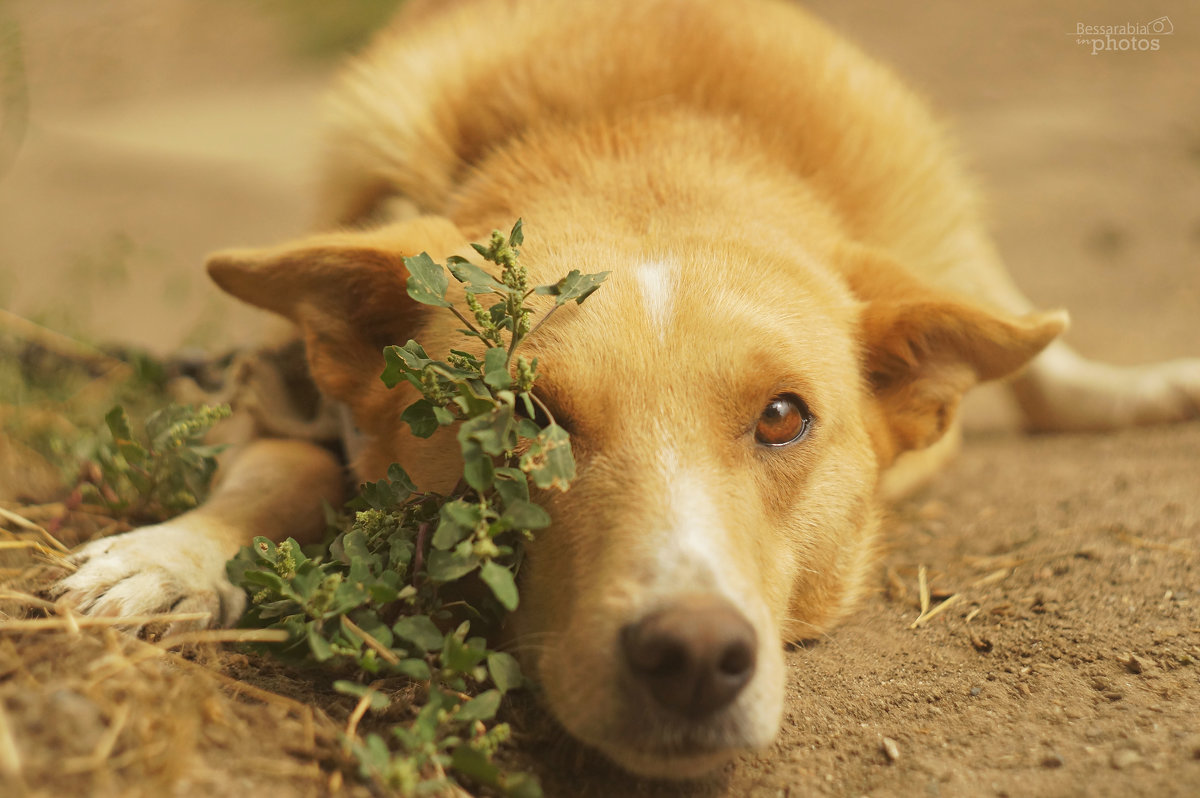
[(784, 420)]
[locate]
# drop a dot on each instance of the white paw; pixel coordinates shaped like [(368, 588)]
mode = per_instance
[(1066, 392), (1174, 389), (167, 568)]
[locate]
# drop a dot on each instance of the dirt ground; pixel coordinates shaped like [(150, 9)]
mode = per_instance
[(1068, 664)]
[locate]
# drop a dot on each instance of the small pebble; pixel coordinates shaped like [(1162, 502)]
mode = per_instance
[(1053, 761), (1133, 664), (891, 749), (1125, 758)]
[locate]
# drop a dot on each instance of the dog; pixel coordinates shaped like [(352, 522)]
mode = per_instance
[(801, 292)]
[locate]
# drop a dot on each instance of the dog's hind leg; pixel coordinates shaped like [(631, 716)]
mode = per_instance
[(273, 488), (1061, 391)]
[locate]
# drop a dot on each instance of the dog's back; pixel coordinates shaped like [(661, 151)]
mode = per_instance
[(442, 88)]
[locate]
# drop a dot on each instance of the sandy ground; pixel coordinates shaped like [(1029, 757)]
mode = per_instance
[(159, 131)]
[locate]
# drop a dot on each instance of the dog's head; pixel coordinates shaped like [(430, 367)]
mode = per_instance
[(731, 404)]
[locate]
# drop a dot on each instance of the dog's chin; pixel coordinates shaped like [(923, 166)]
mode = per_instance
[(674, 751), (668, 765)]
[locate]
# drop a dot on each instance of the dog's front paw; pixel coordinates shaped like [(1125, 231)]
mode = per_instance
[(168, 568)]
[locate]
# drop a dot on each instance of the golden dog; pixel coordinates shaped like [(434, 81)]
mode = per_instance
[(801, 292)]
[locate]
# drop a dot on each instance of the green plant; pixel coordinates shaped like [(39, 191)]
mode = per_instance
[(415, 583), (161, 473)]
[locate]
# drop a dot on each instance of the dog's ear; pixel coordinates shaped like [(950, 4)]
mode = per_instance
[(345, 290), (922, 349)]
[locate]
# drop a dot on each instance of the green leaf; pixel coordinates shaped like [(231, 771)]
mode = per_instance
[(517, 237), (378, 699), (493, 432), (474, 763), (549, 461), (421, 418), (474, 398), (502, 583), (420, 631), (521, 785), (307, 582), (321, 650), (427, 281), (118, 423), (478, 281), (458, 519), (404, 363), (575, 286), (460, 657), (505, 671), (481, 707), (478, 471), (399, 478), (495, 368), (416, 669), (258, 579), (354, 547), (512, 485), (446, 566), (264, 549), (522, 514)]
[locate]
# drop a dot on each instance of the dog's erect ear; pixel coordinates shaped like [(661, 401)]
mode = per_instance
[(922, 349), (346, 291)]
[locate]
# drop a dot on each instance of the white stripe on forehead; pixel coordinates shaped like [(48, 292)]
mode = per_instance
[(656, 280)]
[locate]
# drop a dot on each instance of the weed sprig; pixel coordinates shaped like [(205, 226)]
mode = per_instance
[(414, 583), (160, 473)]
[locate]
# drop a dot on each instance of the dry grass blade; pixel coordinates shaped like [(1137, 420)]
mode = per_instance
[(10, 758), (27, 598), (928, 613), (72, 621), (993, 577), (225, 636), (1155, 545), (28, 544), (360, 709), (379, 648), (26, 524), (58, 343), (925, 617)]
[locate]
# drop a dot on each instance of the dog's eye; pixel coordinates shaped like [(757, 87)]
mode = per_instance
[(785, 419)]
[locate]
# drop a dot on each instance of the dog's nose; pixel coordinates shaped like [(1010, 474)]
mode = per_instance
[(694, 656)]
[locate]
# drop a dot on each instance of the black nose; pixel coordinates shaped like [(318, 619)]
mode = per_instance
[(692, 657)]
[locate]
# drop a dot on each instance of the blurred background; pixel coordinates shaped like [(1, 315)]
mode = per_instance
[(136, 136)]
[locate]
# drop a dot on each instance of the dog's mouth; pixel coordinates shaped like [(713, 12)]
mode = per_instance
[(671, 751), (646, 740)]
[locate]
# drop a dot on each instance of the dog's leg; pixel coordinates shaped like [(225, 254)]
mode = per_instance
[(1061, 390), (273, 488)]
